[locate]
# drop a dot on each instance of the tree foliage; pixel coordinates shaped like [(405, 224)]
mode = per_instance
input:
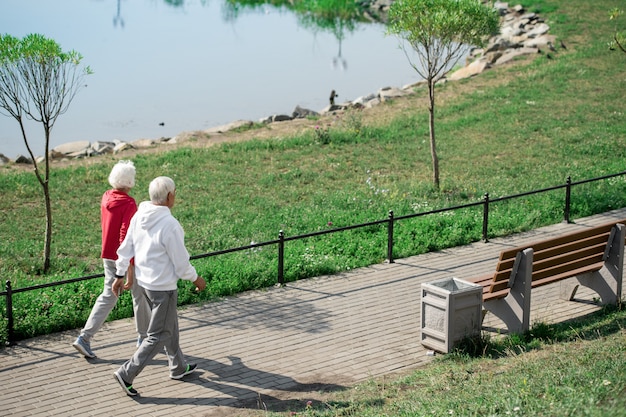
[(38, 81), (438, 33)]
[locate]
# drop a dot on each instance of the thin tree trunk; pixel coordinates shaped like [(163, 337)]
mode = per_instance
[(47, 245), (46, 192), (431, 125)]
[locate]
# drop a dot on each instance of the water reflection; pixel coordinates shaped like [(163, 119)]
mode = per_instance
[(164, 67), (118, 19)]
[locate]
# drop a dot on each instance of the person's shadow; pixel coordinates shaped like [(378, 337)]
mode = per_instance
[(238, 385)]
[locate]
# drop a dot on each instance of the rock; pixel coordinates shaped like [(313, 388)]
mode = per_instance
[(4, 160), (372, 103), (21, 159), (333, 108), (301, 113), (281, 118), (100, 148), (364, 99), (185, 137), (540, 29), (498, 44), (492, 57), (122, 146), (80, 154), (388, 93), (471, 70), (539, 42), (143, 143), (514, 53), (72, 147)]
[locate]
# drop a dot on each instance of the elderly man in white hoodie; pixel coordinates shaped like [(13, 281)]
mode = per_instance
[(156, 240)]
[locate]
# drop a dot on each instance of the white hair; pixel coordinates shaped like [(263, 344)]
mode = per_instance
[(159, 188), (122, 175)]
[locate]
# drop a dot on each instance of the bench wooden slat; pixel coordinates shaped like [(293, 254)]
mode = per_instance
[(564, 267), (495, 295), (542, 245), (571, 273), (598, 242), (595, 252), (594, 243), (586, 264)]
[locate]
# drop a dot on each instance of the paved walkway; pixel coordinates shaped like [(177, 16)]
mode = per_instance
[(267, 348)]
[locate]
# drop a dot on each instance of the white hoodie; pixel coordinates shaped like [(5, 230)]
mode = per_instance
[(157, 242)]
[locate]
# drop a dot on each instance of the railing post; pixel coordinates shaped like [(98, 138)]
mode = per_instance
[(486, 218), (281, 257), (10, 332), (568, 195), (390, 238)]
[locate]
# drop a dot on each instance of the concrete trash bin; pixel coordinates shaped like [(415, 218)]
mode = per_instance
[(451, 311)]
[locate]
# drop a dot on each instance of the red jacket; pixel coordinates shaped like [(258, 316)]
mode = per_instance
[(116, 210)]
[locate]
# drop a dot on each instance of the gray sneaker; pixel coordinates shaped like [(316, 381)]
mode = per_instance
[(83, 347)]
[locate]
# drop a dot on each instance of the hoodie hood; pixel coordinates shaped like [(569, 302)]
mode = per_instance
[(156, 241), (150, 215), (115, 198)]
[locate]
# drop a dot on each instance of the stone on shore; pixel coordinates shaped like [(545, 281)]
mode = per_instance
[(72, 147)]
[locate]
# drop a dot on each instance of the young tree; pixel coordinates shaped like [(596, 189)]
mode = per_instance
[(439, 32), (619, 38), (38, 82)]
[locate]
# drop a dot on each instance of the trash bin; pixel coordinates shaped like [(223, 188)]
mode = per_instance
[(451, 311)]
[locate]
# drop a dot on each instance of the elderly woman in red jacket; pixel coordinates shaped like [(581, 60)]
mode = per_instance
[(116, 210)]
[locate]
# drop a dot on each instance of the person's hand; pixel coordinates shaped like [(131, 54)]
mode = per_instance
[(118, 285), (200, 283), (130, 278)]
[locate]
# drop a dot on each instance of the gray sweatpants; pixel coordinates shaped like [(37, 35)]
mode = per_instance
[(162, 332), (107, 300)]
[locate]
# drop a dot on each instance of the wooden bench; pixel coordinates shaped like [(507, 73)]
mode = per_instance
[(594, 256)]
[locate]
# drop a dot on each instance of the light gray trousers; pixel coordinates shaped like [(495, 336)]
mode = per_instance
[(162, 332), (107, 300)]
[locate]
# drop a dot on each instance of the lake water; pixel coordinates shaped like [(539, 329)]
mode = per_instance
[(190, 67)]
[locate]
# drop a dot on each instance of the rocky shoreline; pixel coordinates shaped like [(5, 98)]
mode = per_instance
[(522, 33)]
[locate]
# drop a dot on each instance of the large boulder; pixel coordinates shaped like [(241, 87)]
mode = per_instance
[(471, 70), (72, 147)]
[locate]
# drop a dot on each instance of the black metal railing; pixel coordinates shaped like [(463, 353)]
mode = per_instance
[(282, 239)]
